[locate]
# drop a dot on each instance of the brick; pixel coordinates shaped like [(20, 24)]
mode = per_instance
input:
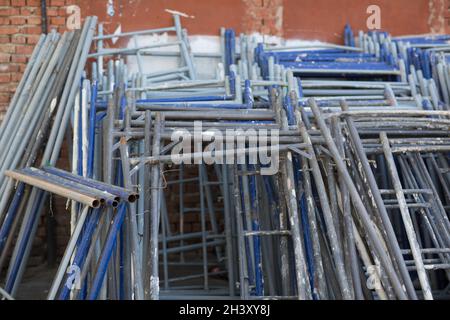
[(5, 77), (62, 12), (19, 39), (16, 77), (7, 12), (29, 11), (22, 67), (18, 3), (8, 30), (52, 12), (32, 30), (5, 3), (33, 3), (18, 59), (5, 39), (57, 3), (34, 20), (5, 58), (58, 21), (24, 49), (18, 20), (4, 20), (5, 98), (33, 39), (8, 48), (9, 68), (8, 87)]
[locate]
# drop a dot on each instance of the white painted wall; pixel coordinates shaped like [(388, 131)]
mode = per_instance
[(206, 67)]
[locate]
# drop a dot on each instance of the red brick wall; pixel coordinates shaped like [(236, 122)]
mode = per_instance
[(312, 19), (20, 28)]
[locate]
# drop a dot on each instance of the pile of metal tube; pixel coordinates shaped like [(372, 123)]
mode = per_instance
[(351, 201), (32, 134), (76, 188)]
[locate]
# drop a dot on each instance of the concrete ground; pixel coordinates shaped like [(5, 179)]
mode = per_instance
[(36, 283)]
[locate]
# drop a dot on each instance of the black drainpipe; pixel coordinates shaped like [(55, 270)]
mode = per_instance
[(44, 16)]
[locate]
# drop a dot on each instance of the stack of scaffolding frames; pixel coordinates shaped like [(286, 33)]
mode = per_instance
[(45, 100), (357, 210)]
